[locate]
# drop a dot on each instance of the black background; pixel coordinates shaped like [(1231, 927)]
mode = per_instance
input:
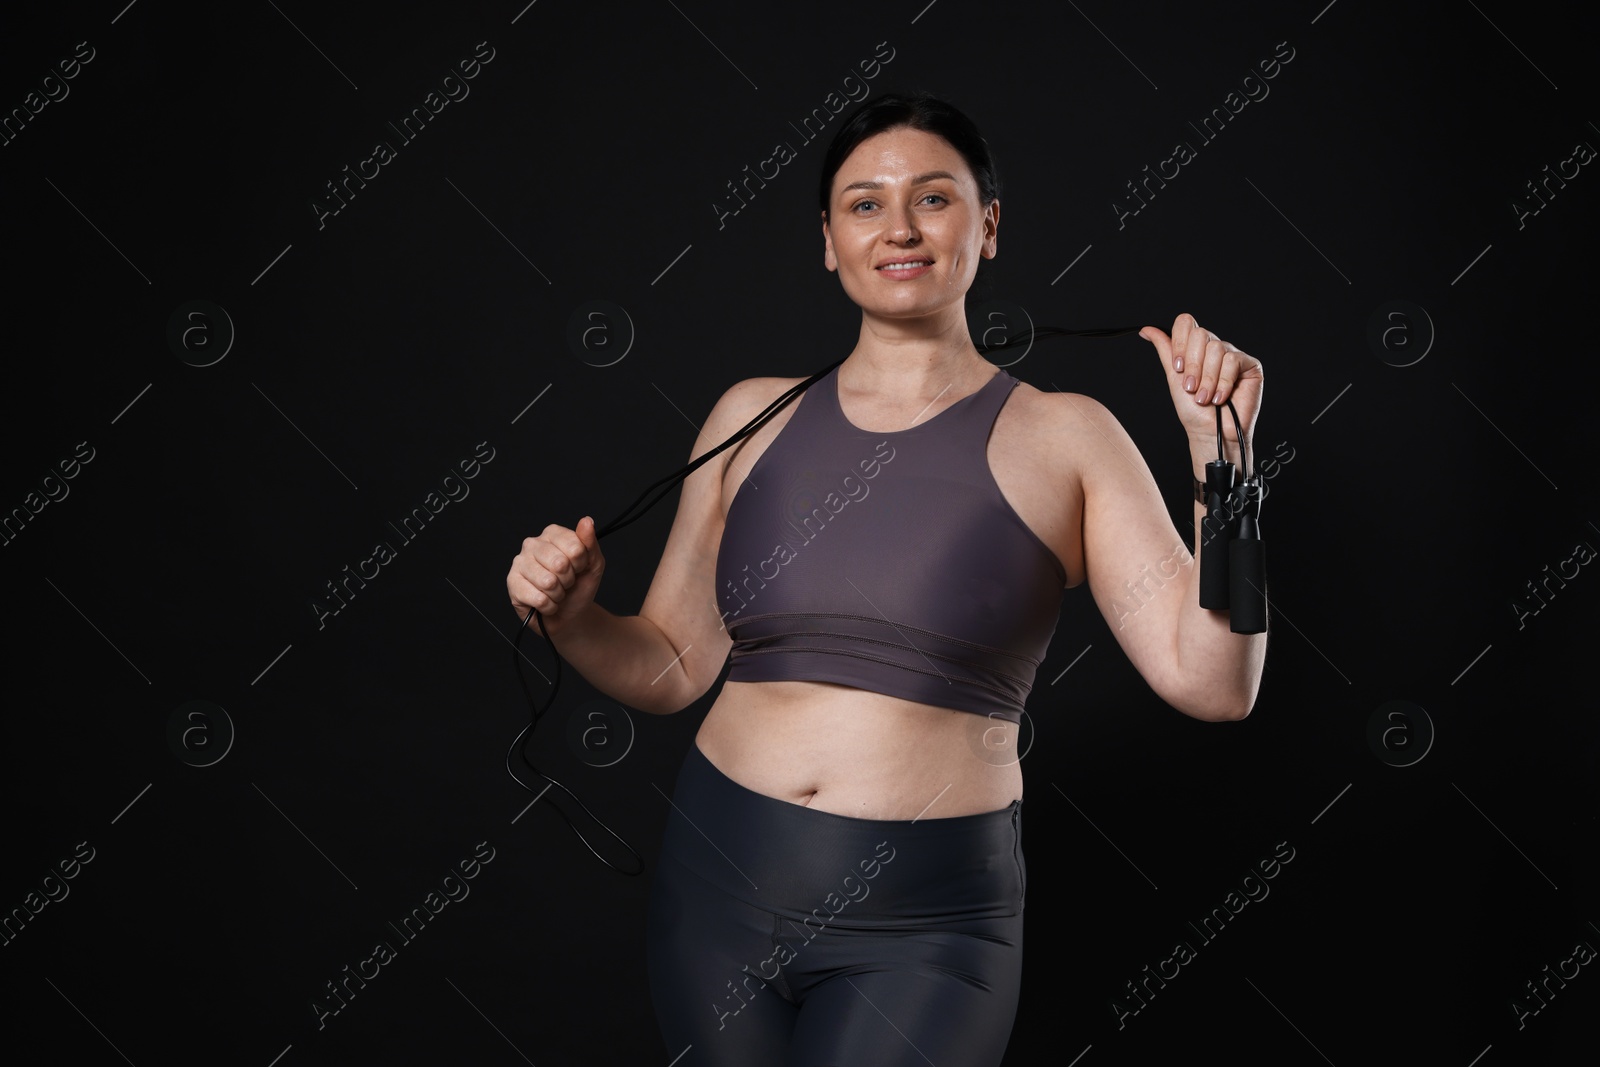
[(377, 350)]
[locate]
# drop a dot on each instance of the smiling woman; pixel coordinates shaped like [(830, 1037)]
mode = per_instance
[(870, 688)]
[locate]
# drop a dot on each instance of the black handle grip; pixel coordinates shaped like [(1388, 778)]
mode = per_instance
[(1247, 569), (1247, 564)]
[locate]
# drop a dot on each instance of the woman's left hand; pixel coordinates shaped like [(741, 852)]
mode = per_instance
[(1204, 371)]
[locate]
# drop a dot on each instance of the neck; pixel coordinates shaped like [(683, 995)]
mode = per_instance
[(916, 360)]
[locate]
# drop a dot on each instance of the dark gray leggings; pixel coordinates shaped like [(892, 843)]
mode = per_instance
[(780, 936)]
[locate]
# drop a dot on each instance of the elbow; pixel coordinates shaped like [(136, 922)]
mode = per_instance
[(1216, 699), (1213, 707), (668, 701), (1235, 712), (1237, 709), (1217, 713), (680, 689)]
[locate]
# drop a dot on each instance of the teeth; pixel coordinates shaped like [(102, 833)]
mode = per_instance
[(906, 266)]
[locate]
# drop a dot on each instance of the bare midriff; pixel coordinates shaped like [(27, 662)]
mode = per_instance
[(853, 752)]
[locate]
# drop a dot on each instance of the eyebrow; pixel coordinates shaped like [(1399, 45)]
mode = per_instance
[(918, 180)]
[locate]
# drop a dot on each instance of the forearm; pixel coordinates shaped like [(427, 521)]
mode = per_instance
[(1222, 669), (626, 657)]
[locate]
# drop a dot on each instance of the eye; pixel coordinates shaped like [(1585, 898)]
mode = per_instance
[(859, 204), (936, 196)]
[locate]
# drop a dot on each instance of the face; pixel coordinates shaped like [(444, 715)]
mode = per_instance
[(907, 195)]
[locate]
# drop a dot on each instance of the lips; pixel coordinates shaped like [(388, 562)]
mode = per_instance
[(910, 263)]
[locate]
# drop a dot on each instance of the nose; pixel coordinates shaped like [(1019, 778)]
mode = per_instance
[(902, 227)]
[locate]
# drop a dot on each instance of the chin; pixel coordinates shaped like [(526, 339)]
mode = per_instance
[(921, 309)]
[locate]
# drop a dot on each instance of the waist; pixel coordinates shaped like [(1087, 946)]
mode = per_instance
[(817, 867), (833, 748)]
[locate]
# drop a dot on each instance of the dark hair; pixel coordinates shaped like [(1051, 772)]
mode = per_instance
[(919, 112)]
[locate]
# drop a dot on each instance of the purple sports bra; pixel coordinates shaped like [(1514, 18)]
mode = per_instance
[(889, 562)]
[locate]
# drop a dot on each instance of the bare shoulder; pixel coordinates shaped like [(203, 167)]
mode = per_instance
[(1063, 412), (1068, 430), (748, 397), (743, 401)]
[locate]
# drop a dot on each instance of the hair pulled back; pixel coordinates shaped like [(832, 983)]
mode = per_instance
[(921, 111)]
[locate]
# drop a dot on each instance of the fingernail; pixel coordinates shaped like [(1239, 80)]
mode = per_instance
[(1188, 384), (1201, 396), (1178, 365)]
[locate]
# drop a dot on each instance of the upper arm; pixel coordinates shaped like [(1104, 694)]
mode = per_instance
[(682, 598), (1137, 565)]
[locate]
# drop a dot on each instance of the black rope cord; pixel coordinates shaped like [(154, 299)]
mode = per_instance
[(637, 509), (1244, 446)]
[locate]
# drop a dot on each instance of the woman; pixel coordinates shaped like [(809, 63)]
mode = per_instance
[(842, 879)]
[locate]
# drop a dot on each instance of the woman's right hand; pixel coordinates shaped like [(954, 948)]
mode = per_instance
[(557, 573)]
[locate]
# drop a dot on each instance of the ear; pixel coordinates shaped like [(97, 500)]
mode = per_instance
[(829, 260), (991, 230)]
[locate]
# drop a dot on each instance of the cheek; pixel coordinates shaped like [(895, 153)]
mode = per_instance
[(854, 258), (851, 280)]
